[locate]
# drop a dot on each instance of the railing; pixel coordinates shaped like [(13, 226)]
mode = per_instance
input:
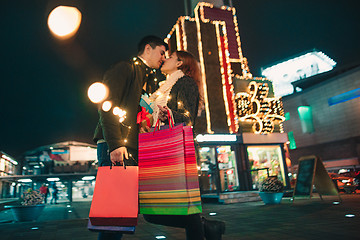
[(259, 169)]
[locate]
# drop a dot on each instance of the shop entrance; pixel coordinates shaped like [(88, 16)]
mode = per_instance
[(218, 169), (265, 161)]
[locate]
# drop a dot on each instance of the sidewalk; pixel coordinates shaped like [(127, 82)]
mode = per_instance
[(303, 219)]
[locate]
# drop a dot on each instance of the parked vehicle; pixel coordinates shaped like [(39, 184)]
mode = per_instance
[(345, 182)]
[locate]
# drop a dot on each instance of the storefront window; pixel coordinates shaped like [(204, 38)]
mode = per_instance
[(264, 161), (208, 177), (227, 168), (218, 169)]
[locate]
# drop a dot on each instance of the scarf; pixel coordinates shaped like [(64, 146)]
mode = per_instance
[(160, 97)]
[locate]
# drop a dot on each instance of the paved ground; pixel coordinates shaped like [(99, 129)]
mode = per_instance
[(303, 219)]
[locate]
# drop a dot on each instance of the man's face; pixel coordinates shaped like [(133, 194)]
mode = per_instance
[(156, 56)]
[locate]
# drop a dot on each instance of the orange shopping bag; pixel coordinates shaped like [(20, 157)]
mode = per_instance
[(115, 199)]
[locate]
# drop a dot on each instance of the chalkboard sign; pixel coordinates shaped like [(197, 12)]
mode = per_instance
[(311, 172), (305, 176)]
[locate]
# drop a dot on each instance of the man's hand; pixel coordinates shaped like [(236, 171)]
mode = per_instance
[(163, 113), (117, 155)]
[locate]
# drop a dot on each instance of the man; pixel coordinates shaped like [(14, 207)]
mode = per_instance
[(118, 142), (125, 82)]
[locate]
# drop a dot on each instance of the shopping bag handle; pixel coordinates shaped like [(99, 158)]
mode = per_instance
[(130, 156), (170, 121), (117, 164)]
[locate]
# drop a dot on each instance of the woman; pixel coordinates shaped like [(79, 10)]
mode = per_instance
[(180, 95), (180, 92)]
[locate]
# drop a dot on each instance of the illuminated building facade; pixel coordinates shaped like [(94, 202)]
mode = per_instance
[(70, 166), (323, 119), (8, 167), (235, 103), (63, 157)]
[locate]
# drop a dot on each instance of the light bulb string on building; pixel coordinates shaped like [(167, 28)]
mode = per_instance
[(254, 106), (106, 105)]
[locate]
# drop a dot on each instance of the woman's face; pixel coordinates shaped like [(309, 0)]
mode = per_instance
[(171, 64)]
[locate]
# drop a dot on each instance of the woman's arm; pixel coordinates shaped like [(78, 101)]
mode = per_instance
[(184, 101)]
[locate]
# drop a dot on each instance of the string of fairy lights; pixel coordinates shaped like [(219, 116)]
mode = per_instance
[(228, 88), (254, 106), (203, 74), (98, 93)]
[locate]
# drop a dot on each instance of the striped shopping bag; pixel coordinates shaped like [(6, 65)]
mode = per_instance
[(168, 177)]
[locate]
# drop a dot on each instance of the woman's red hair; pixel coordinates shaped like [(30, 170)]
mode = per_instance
[(191, 68)]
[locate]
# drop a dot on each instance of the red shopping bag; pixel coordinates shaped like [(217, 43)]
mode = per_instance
[(168, 177), (115, 199)]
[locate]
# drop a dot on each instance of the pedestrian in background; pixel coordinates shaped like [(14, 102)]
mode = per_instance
[(54, 194), (44, 190)]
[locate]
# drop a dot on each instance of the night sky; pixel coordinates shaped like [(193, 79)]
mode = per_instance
[(44, 81)]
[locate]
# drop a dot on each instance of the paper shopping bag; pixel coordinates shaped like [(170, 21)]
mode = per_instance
[(115, 199), (168, 178), (126, 230)]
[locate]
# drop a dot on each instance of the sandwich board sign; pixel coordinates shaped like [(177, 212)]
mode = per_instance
[(311, 172)]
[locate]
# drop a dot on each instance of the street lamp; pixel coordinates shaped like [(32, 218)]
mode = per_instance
[(64, 21)]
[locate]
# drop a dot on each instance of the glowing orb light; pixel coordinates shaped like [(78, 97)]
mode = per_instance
[(119, 112), (116, 111), (122, 113), (64, 21), (97, 92), (106, 106)]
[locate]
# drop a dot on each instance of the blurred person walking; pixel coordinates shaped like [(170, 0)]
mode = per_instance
[(54, 194), (44, 190)]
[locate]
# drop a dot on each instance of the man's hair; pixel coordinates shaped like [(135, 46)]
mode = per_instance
[(153, 41)]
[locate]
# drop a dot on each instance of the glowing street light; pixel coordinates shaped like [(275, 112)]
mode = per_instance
[(64, 21)]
